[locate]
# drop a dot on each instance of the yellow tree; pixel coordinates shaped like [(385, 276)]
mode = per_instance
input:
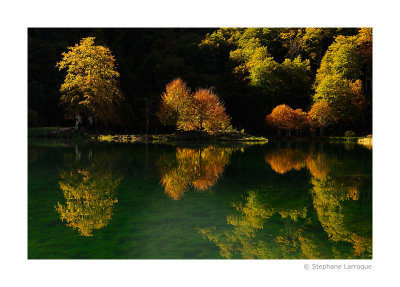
[(174, 100), (90, 87)]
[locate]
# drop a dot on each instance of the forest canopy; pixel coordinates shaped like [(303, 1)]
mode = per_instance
[(251, 70)]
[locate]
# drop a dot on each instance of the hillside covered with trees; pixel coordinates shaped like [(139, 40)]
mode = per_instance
[(142, 80)]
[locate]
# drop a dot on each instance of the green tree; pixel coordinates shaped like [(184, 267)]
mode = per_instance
[(90, 88), (342, 58), (287, 82), (344, 96), (338, 79)]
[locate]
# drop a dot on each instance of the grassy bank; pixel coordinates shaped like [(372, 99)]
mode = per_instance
[(57, 132), (344, 139), (68, 132), (367, 142), (181, 137)]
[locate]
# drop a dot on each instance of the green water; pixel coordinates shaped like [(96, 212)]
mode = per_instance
[(189, 201)]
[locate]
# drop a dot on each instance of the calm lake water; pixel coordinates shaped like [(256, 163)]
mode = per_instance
[(276, 201)]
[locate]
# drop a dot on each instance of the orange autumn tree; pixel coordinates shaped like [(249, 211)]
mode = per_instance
[(284, 117), (321, 115), (301, 120), (174, 100), (200, 111), (206, 113)]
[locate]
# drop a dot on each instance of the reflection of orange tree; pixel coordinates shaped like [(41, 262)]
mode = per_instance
[(319, 164), (89, 191), (285, 160), (253, 233), (200, 168)]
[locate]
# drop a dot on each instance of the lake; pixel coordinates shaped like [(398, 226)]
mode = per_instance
[(280, 200)]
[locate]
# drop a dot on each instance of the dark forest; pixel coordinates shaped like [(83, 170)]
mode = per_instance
[(252, 70)]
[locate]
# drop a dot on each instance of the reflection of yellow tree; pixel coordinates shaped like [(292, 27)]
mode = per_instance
[(328, 194), (247, 222), (253, 233), (200, 168), (89, 200), (89, 192)]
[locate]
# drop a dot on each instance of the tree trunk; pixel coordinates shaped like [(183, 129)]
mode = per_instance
[(78, 121), (147, 116), (90, 120)]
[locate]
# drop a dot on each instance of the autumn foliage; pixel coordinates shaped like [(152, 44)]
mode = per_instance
[(174, 100), (91, 85), (321, 115), (199, 168), (284, 117), (186, 111)]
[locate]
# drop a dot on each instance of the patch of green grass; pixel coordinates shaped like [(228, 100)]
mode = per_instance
[(344, 139)]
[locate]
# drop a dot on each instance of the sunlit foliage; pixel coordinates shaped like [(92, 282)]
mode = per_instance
[(253, 69), (321, 116), (285, 118), (364, 41), (206, 113), (343, 96), (254, 52), (200, 111), (274, 79), (342, 58), (338, 79), (174, 102), (91, 85)]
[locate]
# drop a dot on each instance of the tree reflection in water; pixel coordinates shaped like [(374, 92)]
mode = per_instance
[(88, 184), (197, 167), (335, 195)]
